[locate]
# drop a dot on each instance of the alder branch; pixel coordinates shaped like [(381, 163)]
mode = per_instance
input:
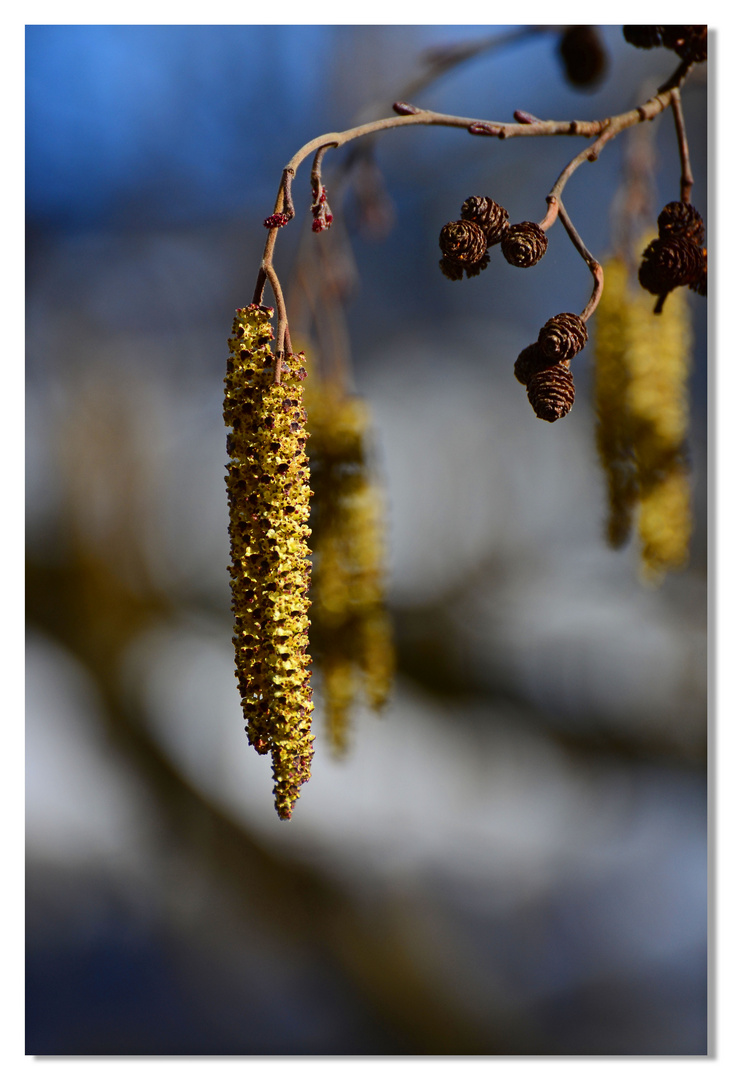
[(603, 131)]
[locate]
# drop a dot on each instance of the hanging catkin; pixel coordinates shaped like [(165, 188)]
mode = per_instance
[(268, 493)]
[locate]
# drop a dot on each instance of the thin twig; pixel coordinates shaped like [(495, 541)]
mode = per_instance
[(551, 214), (594, 265), (259, 287), (281, 321), (594, 300), (316, 181), (677, 78), (574, 236), (288, 207), (687, 179)]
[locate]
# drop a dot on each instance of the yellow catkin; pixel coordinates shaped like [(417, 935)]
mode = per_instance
[(351, 630), (268, 493), (642, 364), (659, 359), (664, 523), (613, 429)]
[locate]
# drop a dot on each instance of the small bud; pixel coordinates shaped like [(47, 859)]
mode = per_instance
[(276, 221), (523, 117), (321, 223), (403, 108), (486, 129), (322, 216)]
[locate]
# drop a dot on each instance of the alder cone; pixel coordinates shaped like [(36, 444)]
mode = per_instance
[(530, 360), (695, 45), (643, 37), (670, 262), (681, 219), (464, 248), (551, 392), (583, 55), (688, 42), (563, 336), (524, 244), (489, 215)]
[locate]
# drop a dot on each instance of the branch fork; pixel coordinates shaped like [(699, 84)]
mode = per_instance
[(525, 125)]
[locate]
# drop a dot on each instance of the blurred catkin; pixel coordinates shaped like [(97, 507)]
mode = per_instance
[(268, 493), (613, 430), (340, 687), (351, 631), (642, 364), (660, 359)]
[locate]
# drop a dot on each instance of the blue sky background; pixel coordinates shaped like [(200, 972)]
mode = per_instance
[(115, 108)]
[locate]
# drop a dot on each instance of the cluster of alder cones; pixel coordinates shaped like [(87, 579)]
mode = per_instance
[(543, 368), (677, 256), (688, 42), (484, 224)]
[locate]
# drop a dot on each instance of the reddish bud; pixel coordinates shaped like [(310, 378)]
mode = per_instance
[(322, 216), (522, 117), (486, 129), (276, 221)]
